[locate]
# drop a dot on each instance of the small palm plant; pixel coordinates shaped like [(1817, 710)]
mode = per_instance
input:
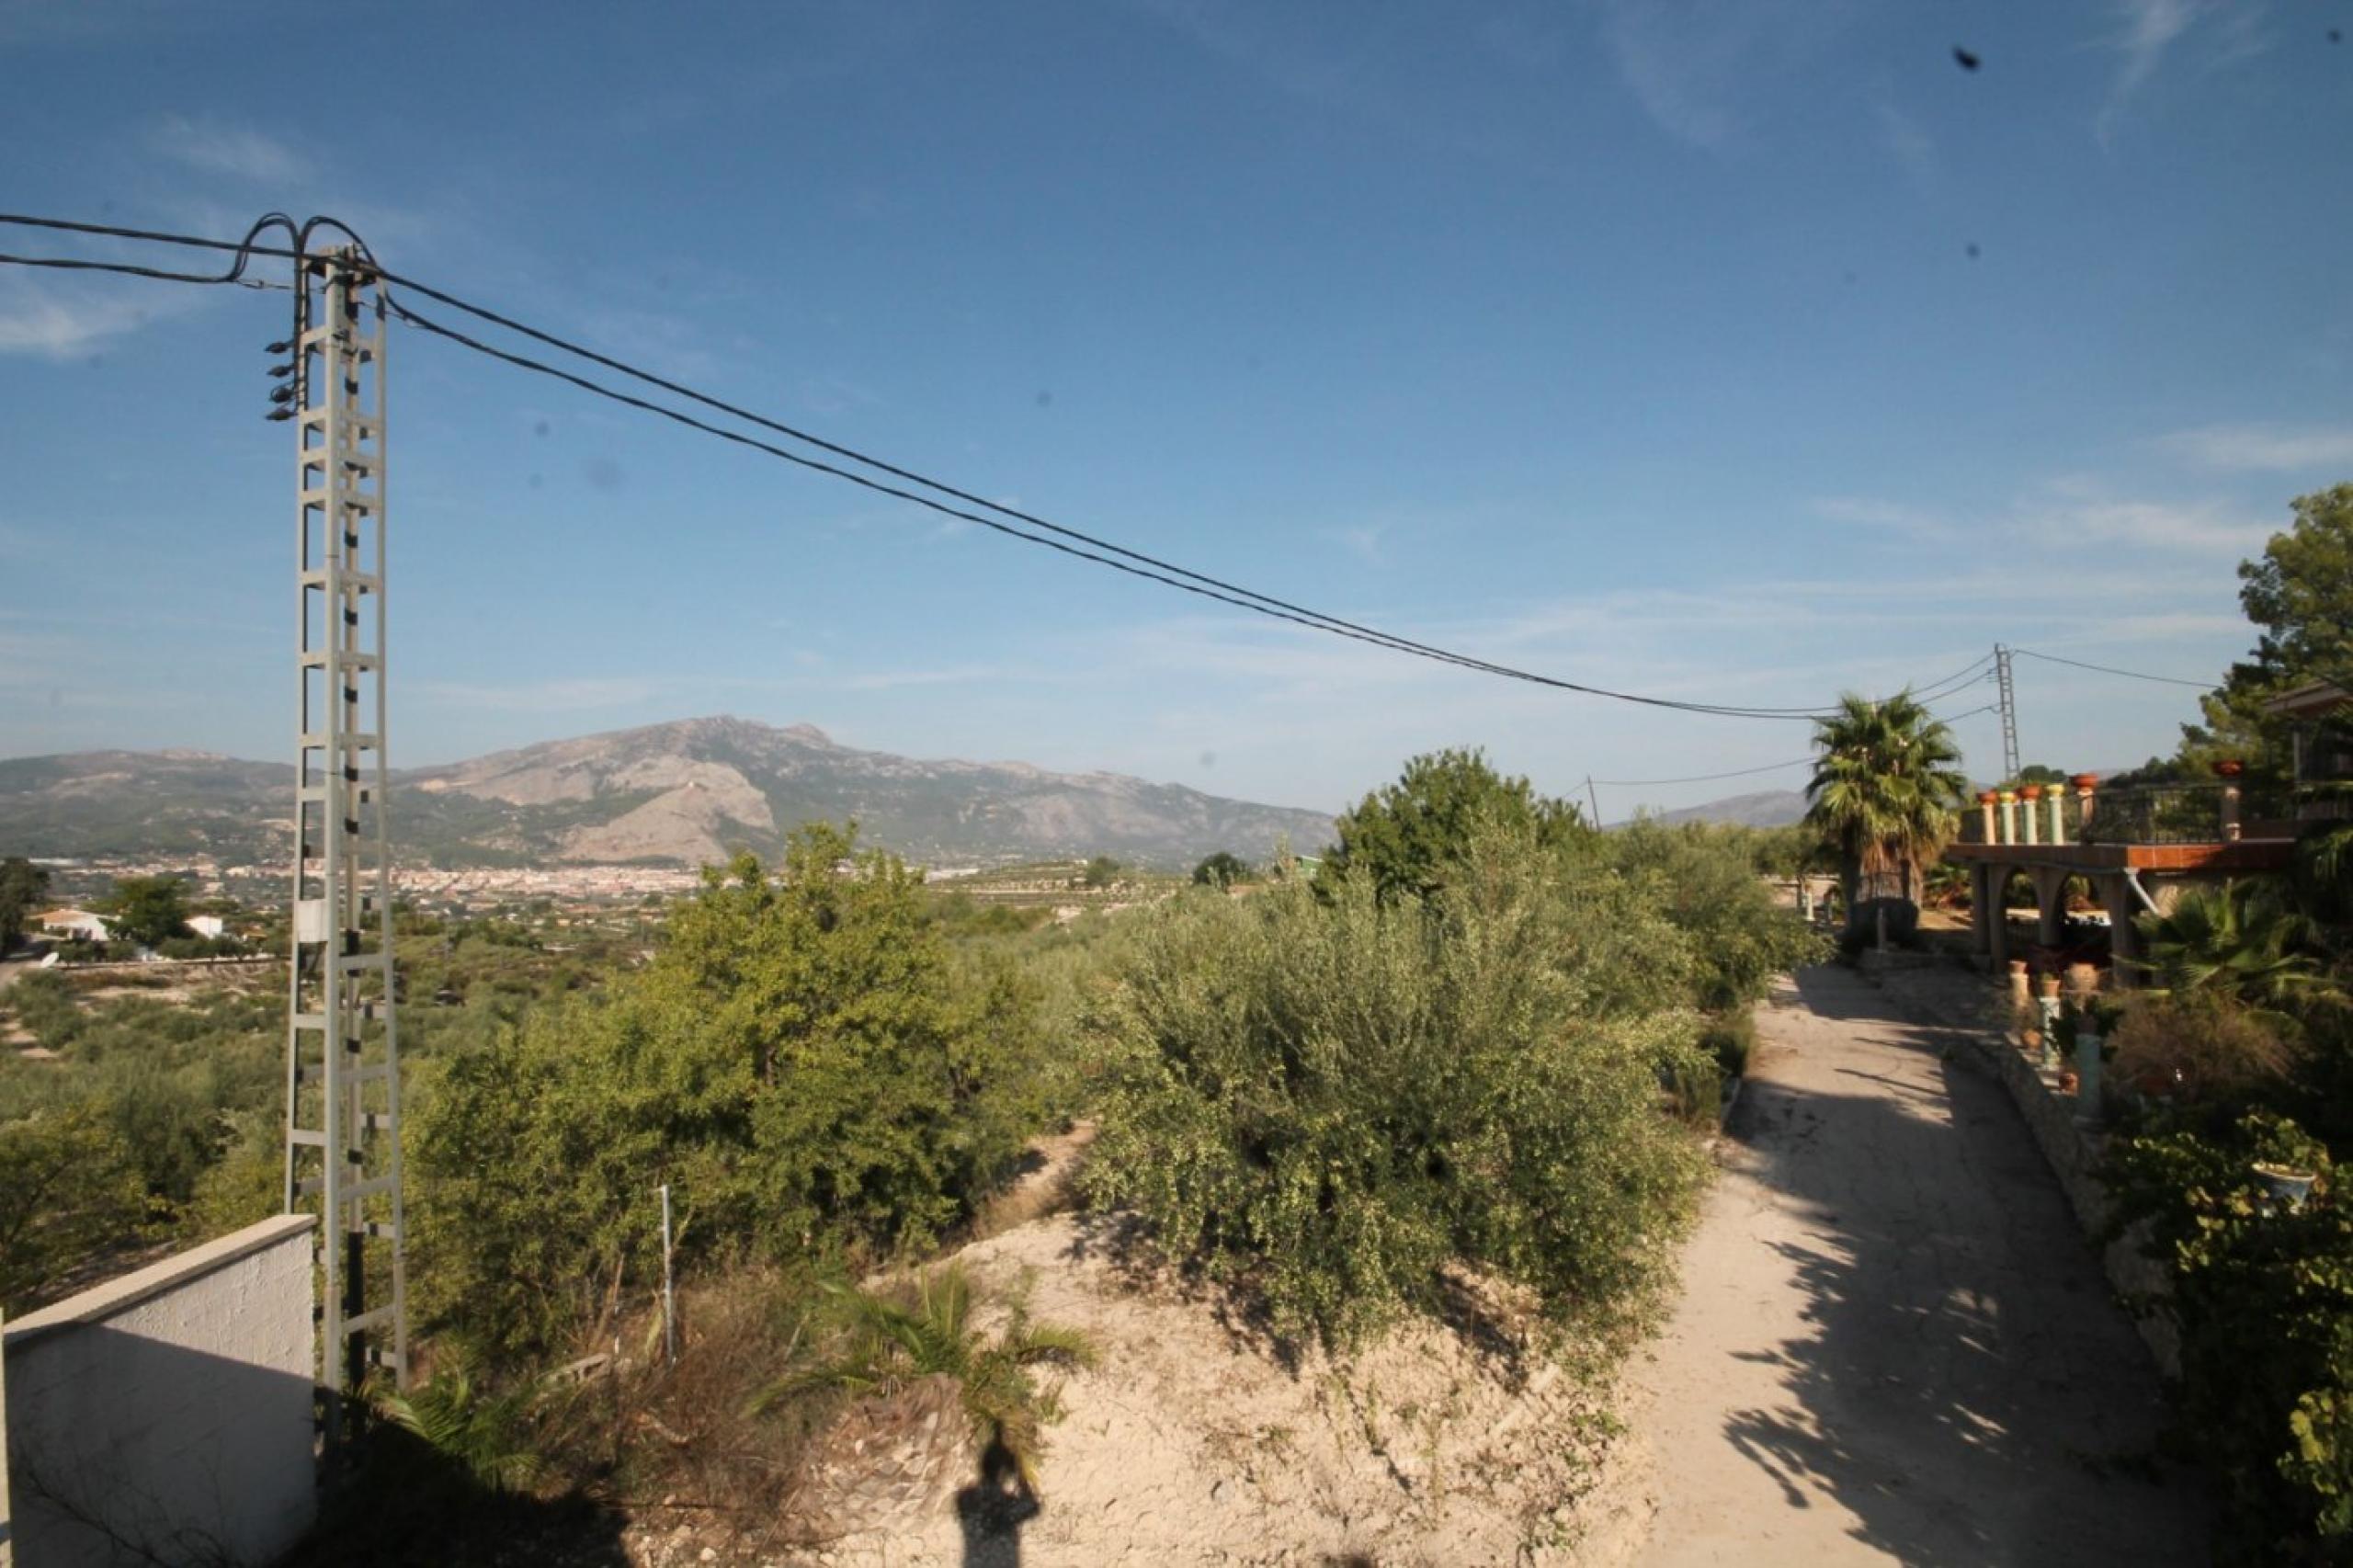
[(889, 1342), (485, 1435), (2240, 939)]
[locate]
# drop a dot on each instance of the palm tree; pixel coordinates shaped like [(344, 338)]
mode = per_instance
[(890, 1343), (1884, 793)]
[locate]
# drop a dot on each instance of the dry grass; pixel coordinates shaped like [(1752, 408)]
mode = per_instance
[(675, 1444), (1045, 1185), (2203, 1048)]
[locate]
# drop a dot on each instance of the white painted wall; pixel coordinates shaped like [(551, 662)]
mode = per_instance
[(173, 1405)]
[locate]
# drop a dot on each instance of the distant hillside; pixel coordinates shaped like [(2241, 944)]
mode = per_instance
[(1767, 808), (681, 793)]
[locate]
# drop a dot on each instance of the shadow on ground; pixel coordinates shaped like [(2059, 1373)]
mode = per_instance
[(410, 1503), (1965, 1387)]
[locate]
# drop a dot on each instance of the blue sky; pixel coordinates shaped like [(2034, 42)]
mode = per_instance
[(1641, 344)]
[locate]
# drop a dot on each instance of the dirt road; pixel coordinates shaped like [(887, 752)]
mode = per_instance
[(1893, 1342)]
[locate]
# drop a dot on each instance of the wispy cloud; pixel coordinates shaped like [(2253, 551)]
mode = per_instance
[(2266, 448), (63, 319), (1362, 542), (240, 153), (958, 675), (2147, 32), (2205, 528), (1699, 68), (1906, 141), (561, 696), (1892, 518)]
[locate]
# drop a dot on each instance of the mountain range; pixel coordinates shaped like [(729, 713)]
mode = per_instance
[(1763, 808), (683, 792)]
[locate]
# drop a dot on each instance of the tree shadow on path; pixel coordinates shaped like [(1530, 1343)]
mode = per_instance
[(1964, 1386)]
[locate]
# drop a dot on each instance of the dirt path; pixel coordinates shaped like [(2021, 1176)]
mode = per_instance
[(1894, 1342)]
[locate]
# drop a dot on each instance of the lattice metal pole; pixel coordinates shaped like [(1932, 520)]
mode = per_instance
[(2009, 713), (342, 1046)]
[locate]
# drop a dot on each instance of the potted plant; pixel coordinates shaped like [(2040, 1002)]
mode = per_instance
[(2288, 1184), (2229, 767)]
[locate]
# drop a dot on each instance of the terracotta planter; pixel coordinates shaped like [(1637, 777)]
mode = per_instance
[(2030, 792), (2229, 767), (2085, 781), (2069, 1080)]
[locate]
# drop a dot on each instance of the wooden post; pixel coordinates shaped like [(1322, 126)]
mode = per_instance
[(669, 1306)]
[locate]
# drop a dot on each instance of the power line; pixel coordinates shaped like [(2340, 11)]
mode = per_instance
[(1158, 570), (1098, 552), (1702, 778), (244, 251), (1749, 772), (2111, 670), (1938, 691), (74, 264), (1272, 609), (1152, 569)]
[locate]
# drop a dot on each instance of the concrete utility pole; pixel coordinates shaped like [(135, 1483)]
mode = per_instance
[(343, 1081), (2009, 713)]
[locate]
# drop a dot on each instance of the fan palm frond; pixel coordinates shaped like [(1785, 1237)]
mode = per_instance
[(888, 1341)]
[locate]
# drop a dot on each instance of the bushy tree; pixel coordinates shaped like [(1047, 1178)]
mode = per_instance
[(1410, 837), (801, 1062), (1221, 869), (1100, 872), (23, 886), (149, 910), (1333, 1098), (68, 1188), (2298, 596)]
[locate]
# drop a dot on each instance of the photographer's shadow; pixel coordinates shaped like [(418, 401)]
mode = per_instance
[(994, 1508)]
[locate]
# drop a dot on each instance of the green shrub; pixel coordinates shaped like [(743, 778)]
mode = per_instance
[(1703, 879), (1332, 1098), (69, 1189), (802, 1062), (2264, 1296)]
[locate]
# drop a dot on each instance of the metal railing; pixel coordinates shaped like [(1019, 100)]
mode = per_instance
[(2153, 814)]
